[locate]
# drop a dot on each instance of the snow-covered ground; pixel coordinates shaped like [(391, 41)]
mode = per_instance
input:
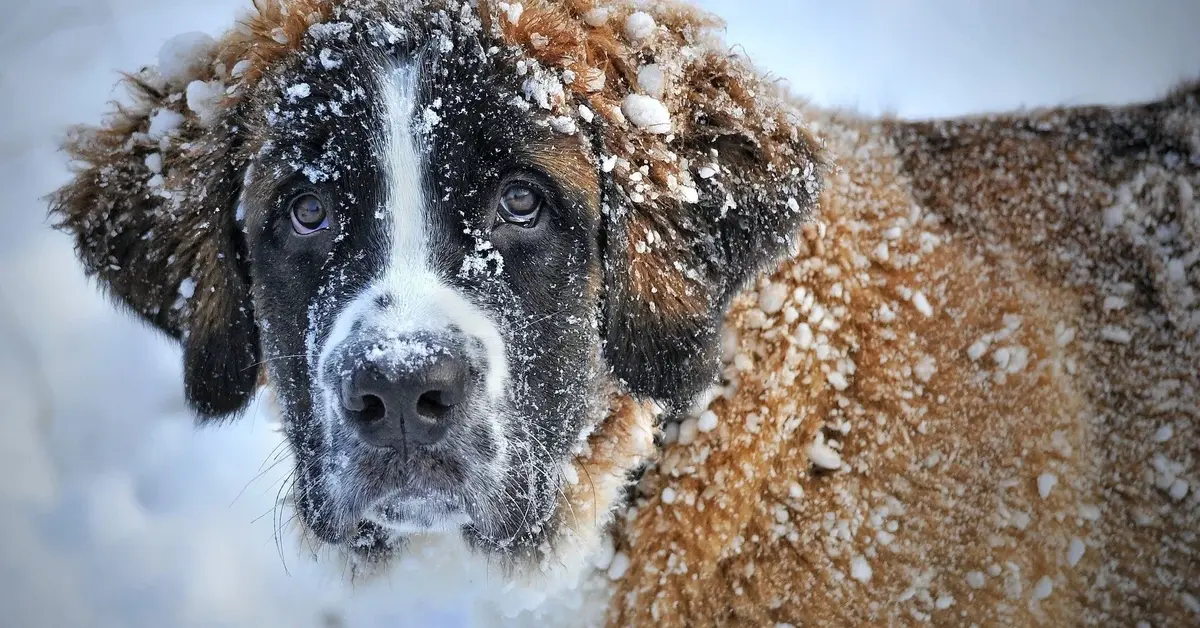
[(115, 512)]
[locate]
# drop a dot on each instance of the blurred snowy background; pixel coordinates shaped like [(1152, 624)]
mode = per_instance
[(114, 512)]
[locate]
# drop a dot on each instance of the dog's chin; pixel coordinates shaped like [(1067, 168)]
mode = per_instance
[(405, 516)]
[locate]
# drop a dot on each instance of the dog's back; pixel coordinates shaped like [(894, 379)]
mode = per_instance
[(970, 398)]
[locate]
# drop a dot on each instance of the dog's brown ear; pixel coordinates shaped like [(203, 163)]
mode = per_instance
[(693, 220), (153, 209)]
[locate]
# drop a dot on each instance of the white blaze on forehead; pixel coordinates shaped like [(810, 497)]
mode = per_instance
[(404, 166)]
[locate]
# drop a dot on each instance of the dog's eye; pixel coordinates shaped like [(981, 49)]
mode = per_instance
[(520, 205), (308, 214)]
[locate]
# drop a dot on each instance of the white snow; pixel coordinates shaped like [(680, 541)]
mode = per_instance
[(154, 162), (1046, 483), (187, 288), (597, 17), (707, 421), (299, 91), (204, 99), (823, 455), (1043, 588), (1116, 334), (647, 113), (922, 304), (651, 80), (772, 297), (976, 579), (688, 430), (860, 569), (639, 26), (240, 68), (1075, 551), (620, 565), (182, 57), (116, 512), (163, 122)]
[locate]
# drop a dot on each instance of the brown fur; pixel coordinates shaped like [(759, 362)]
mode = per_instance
[(998, 223), (755, 537)]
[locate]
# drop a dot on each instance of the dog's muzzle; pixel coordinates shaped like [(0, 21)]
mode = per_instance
[(408, 393)]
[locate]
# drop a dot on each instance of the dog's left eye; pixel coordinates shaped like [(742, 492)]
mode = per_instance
[(308, 214), (520, 204)]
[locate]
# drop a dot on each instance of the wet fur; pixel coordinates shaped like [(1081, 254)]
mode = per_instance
[(996, 216)]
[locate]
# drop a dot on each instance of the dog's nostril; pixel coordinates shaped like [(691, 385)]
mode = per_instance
[(372, 410), (433, 405)]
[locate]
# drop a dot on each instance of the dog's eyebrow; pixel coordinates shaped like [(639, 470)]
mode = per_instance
[(565, 160)]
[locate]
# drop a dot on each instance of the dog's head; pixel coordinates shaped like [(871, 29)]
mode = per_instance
[(454, 236)]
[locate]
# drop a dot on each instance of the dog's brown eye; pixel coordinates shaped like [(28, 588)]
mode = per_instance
[(308, 214), (520, 204)]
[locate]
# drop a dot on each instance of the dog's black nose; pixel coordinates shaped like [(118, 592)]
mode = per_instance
[(408, 396)]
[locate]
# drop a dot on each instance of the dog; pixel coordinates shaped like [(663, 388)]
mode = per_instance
[(574, 288)]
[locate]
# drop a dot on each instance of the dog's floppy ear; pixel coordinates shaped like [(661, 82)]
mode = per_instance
[(153, 211), (692, 220)]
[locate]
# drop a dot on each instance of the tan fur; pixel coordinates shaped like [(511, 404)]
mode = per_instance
[(940, 476), (997, 223)]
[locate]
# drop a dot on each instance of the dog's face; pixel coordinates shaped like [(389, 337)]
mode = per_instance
[(435, 253), (425, 268)]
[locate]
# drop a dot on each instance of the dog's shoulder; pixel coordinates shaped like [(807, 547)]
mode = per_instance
[(955, 398)]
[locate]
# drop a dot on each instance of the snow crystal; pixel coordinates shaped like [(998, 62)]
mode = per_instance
[(922, 304), (240, 68), (299, 91), (688, 430), (563, 124), (620, 565), (512, 11), (976, 579), (1075, 551), (1164, 433), (925, 368), (668, 495), (1191, 602), (329, 61), (154, 162), (604, 555), (647, 113), (651, 80), (707, 172), (639, 26), (978, 348), (204, 99), (597, 17), (163, 122), (586, 114), (707, 421), (1178, 490), (838, 380), (772, 297), (183, 57), (187, 288), (1116, 335), (823, 455), (1043, 588), (1046, 483), (860, 569), (609, 163)]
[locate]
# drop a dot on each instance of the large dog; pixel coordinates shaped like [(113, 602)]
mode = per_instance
[(570, 285)]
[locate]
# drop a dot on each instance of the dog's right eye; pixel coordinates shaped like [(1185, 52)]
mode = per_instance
[(308, 214)]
